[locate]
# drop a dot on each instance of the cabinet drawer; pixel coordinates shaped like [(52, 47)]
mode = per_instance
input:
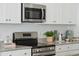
[(68, 47), (75, 46), (26, 52), (9, 53), (68, 53), (62, 48)]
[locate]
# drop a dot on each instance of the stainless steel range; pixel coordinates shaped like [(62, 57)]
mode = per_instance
[(31, 39)]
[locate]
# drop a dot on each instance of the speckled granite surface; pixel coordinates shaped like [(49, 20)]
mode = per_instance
[(65, 43), (17, 48), (29, 47)]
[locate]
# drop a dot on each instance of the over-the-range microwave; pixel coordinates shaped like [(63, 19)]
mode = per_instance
[(33, 13)]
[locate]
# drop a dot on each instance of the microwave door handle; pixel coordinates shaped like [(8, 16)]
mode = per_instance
[(42, 13)]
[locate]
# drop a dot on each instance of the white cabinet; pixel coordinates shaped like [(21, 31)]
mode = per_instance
[(53, 13), (75, 46), (69, 49), (10, 13), (2, 12), (62, 48), (24, 52), (69, 53), (61, 13), (69, 13)]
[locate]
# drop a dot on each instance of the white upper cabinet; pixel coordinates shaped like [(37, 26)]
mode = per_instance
[(10, 13), (1, 12), (53, 13), (56, 13), (69, 13), (61, 13)]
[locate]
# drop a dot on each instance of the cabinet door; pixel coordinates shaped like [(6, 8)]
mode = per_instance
[(2, 13), (12, 12), (61, 48), (53, 13), (64, 48), (69, 13)]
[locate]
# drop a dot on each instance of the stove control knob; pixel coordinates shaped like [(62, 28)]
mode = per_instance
[(52, 48), (38, 50)]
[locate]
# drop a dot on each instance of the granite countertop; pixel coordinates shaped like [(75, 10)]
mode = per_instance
[(17, 48), (65, 43)]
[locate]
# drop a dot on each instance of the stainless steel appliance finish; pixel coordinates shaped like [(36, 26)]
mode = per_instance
[(25, 38), (33, 12), (30, 39), (25, 35), (43, 50)]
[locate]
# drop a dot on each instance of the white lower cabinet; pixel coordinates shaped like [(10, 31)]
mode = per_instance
[(67, 50), (69, 53), (25, 52)]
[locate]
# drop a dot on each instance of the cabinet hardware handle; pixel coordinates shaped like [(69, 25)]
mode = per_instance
[(9, 19), (6, 19), (54, 21), (10, 55), (70, 21)]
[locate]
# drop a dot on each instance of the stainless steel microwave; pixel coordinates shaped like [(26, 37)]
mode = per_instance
[(33, 13)]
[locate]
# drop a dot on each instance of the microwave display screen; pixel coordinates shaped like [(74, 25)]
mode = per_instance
[(26, 34)]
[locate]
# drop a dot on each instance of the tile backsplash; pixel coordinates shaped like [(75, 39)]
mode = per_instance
[(8, 29)]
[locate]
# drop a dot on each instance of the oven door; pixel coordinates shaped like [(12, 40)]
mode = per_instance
[(43, 51), (34, 14)]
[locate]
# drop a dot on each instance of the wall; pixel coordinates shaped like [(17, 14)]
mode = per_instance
[(76, 27), (8, 29)]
